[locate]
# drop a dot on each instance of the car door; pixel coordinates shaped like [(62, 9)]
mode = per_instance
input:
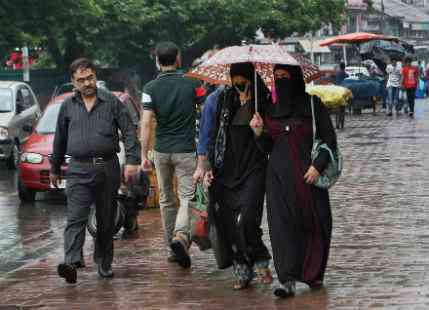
[(27, 112), (33, 105)]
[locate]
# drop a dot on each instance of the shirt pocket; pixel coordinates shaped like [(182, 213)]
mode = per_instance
[(105, 127)]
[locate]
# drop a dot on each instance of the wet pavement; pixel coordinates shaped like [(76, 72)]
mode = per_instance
[(379, 256)]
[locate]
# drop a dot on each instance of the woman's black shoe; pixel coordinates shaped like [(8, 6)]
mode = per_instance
[(285, 290), (105, 272), (67, 272)]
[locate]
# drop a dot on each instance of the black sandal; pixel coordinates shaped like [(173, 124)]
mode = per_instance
[(285, 290)]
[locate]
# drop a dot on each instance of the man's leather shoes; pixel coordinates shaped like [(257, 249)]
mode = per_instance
[(180, 252), (68, 272), (105, 272)]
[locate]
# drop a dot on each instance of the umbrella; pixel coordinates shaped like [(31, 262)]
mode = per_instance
[(386, 49), (215, 70), (356, 37)]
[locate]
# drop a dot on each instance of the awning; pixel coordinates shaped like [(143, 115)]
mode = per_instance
[(306, 45)]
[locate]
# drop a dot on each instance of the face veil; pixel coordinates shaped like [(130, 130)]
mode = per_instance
[(290, 92)]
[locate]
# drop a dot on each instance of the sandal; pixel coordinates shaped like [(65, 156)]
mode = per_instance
[(240, 284), (264, 275), (285, 290), (243, 275)]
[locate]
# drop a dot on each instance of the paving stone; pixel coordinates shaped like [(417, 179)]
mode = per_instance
[(379, 256)]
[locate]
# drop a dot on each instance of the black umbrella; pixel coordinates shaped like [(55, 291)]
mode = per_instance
[(386, 50)]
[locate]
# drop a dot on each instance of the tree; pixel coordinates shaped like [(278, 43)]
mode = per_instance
[(124, 32)]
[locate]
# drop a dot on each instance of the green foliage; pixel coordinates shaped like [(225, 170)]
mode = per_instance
[(124, 32)]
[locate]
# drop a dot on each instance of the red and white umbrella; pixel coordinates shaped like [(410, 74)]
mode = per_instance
[(356, 38), (215, 70)]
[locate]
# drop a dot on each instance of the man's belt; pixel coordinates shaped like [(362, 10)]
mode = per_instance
[(94, 160)]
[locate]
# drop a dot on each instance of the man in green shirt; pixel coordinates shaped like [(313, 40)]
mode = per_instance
[(171, 98)]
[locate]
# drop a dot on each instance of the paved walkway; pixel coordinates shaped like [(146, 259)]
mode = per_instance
[(379, 256)]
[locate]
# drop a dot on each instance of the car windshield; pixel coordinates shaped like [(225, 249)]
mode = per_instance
[(5, 100), (69, 87), (48, 122), (65, 88)]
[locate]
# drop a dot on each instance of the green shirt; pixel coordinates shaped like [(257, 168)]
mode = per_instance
[(173, 98)]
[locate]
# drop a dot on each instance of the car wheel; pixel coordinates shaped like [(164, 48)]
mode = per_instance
[(12, 161), (119, 219), (24, 193)]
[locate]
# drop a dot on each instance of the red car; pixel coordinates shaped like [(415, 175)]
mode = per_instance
[(34, 163)]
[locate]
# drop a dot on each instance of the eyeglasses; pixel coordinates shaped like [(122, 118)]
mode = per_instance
[(89, 79)]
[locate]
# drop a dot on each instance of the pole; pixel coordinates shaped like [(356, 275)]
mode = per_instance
[(26, 64), (311, 48), (345, 54), (256, 91), (382, 18)]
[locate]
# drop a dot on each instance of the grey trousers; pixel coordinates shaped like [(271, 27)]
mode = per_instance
[(87, 184), (182, 165)]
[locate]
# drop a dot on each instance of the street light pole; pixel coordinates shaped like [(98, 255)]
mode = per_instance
[(382, 17), (26, 64)]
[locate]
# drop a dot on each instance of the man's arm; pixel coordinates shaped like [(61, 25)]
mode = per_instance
[(145, 134), (129, 134), (206, 125), (59, 146), (60, 142)]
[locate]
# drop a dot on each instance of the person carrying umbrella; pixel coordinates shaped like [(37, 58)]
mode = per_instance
[(236, 180), (299, 213)]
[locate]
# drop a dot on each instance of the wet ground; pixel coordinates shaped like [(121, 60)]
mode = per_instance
[(379, 257)]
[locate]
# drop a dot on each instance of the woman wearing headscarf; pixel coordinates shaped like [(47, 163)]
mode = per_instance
[(237, 178), (299, 213)]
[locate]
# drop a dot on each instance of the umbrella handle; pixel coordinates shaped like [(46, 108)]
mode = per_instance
[(256, 91)]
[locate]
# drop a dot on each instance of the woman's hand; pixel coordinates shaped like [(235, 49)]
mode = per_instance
[(257, 124), (208, 179), (312, 175)]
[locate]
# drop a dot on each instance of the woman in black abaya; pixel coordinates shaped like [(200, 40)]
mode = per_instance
[(237, 178), (299, 213)]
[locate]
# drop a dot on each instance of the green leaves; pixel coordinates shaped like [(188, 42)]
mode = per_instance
[(123, 32)]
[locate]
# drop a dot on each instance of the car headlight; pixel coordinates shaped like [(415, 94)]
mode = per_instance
[(31, 158), (4, 133)]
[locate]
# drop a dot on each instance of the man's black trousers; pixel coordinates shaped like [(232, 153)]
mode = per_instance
[(91, 183)]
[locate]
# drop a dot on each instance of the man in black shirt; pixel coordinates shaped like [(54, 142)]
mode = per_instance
[(87, 130)]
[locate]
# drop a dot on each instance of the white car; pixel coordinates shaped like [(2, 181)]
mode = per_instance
[(19, 111), (355, 72)]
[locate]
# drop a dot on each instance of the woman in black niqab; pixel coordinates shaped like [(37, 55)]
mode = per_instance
[(299, 214)]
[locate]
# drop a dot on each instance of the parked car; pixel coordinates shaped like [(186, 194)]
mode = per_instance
[(356, 72), (34, 163), (19, 111)]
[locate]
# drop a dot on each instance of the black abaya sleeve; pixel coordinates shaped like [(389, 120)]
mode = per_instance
[(325, 132), (264, 142)]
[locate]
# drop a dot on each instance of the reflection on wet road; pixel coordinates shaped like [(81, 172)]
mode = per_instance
[(28, 231), (379, 257)]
